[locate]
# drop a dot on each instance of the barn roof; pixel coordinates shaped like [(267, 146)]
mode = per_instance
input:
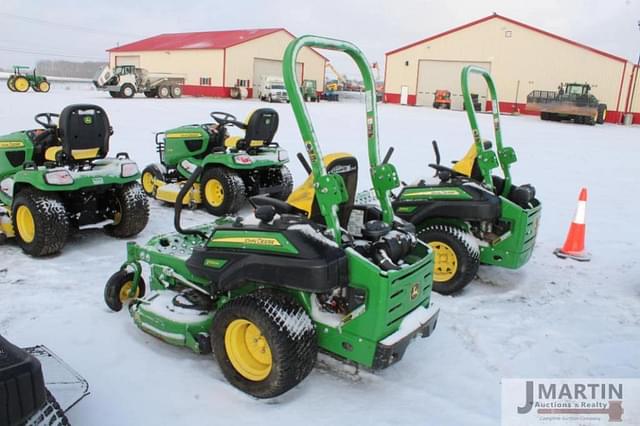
[(512, 21), (196, 40)]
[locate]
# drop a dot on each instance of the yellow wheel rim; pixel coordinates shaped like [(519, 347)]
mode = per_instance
[(446, 261), (25, 224), (214, 192), (125, 290), (248, 350), (148, 182), (117, 215), (21, 84), (43, 86)]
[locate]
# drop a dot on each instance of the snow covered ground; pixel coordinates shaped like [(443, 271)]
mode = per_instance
[(552, 318)]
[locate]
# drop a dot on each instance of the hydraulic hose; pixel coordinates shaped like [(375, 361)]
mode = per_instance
[(178, 206)]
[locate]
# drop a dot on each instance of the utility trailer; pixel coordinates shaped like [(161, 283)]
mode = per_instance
[(124, 81), (572, 101)]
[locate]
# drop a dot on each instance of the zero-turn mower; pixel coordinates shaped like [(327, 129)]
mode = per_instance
[(265, 294), (57, 179), (472, 217), (233, 167)]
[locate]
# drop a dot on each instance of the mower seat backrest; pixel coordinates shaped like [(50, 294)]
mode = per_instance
[(468, 165), (262, 125), (304, 197), (84, 131)]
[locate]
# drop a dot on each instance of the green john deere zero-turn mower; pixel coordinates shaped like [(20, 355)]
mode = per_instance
[(57, 179), (233, 167), (471, 217), (21, 80), (265, 295)]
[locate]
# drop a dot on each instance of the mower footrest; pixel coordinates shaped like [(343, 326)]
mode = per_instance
[(421, 322)]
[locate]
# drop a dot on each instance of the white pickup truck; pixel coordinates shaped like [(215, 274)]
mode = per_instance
[(272, 89)]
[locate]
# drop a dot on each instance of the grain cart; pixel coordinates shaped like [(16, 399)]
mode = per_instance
[(572, 101), (267, 293), (124, 81), (21, 80)]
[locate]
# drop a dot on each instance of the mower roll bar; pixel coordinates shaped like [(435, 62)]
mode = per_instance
[(177, 212), (487, 159), (328, 190)]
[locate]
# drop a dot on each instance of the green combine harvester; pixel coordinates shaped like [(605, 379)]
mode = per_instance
[(472, 217), (22, 79), (58, 179), (265, 294), (233, 167)]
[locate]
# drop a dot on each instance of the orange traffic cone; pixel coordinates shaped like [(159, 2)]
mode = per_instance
[(573, 247)]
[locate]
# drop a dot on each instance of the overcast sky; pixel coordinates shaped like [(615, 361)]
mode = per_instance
[(81, 30)]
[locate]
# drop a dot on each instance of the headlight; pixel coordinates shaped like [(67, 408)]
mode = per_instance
[(188, 166), (129, 169), (283, 155), (58, 177), (243, 159)]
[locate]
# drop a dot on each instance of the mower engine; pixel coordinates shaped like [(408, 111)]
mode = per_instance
[(385, 245)]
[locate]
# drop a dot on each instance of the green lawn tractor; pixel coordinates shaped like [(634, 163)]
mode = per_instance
[(56, 180), (471, 217), (233, 167), (265, 294), (21, 80)]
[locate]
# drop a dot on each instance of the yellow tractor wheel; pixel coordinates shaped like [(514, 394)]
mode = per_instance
[(21, 84), (44, 86)]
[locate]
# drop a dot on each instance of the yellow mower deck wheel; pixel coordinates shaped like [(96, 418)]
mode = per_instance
[(214, 192), (125, 290), (446, 261), (148, 182), (248, 350), (26, 224)]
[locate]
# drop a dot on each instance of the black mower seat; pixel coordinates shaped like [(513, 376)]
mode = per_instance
[(261, 127), (282, 207), (85, 131), (316, 264), (483, 205)]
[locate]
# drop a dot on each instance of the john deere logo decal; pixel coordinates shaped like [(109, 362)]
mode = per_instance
[(87, 119), (415, 291), (258, 241), (11, 144)]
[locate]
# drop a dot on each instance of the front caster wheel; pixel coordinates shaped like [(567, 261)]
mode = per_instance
[(117, 291)]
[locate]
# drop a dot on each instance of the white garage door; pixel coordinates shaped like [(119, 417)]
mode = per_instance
[(269, 68), (128, 60), (436, 75)]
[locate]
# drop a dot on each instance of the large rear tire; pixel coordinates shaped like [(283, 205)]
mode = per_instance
[(130, 211), (265, 344), (127, 91), (602, 113), (21, 84), (10, 83), (457, 257), (164, 92), (41, 222), (286, 180), (176, 91), (222, 191), (117, 289)]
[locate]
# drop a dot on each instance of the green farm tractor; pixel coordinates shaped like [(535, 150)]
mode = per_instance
[(233, 167), (58, 179), (472, 217), (265, 294), (22, 79)]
